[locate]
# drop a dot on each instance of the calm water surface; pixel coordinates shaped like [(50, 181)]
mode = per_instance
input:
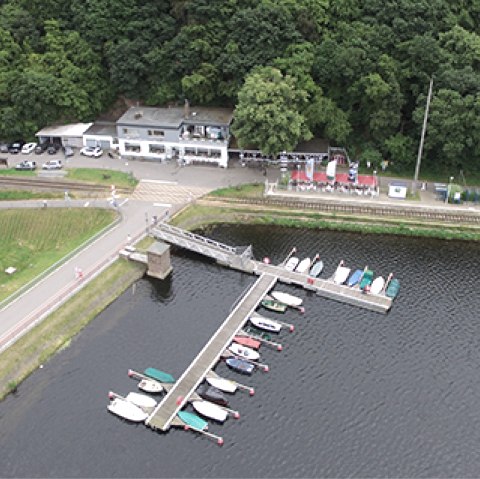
[(353, 394)]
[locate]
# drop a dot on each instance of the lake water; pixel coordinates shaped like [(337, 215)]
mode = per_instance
[(353, 394)]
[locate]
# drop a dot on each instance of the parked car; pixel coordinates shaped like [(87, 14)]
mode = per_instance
[(27, 148), (52, 165), (68, 151), (3, 147), (94, 151), (40, 148), (53, 148), (15, 147), (26, 165)]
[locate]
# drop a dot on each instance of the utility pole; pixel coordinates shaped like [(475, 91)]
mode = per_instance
[(422, 137)]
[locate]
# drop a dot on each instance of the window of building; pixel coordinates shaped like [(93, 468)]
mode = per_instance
[(132, 147), (157, 149), (156, 133)]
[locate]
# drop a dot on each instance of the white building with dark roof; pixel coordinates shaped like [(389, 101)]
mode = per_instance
[(189, 135)]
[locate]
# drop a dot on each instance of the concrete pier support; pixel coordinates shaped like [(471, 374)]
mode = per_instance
[(158, 260)]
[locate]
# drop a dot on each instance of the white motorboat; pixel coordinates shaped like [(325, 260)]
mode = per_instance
[(225, 385), (265, 323), (377, 285), (341, 275), (150, 386), (127, 410), (287, 299), (244, 352), (210, 410), (292, 263), (304, 265), (141, 400)]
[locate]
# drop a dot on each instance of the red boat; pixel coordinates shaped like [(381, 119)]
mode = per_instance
[(249, 342)]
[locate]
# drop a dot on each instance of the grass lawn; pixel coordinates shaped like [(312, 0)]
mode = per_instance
[(15, 195), (14, 172), (254, 190), (34, 239), (102, 177)]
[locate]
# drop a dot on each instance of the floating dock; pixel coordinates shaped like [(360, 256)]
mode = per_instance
[(242, 260), (164, 414)]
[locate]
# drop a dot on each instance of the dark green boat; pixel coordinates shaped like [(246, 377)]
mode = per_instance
[(273, 305), (393, 288), (367, 279)]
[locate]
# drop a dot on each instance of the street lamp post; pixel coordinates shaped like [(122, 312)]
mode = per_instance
[(146, 222)]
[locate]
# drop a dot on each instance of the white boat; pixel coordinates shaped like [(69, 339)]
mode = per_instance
[(210, 410), (292, 263), (304, 265), (287, 299), (244, 352), (377, 285), (127, 410), (150, 386), (341, 275), (141, 400), (265, 323), (224, 385)]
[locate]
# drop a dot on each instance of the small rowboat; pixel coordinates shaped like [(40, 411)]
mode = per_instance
[(304, 265), (249, 342), (265, 323), (377, 285), (257, 332), (355, 277), (142, 401), (341, 275), (212, 394), (150, 386), (366, 279), (316, 269), (244, 352), (127, 410), (225, 385), (292, 263), (287, 299), (192, 420), (210, 410), (273, 305), (241, 366), (160, 376), (393, 288)]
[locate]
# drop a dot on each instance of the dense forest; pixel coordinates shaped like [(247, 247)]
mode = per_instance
[(355, 72)]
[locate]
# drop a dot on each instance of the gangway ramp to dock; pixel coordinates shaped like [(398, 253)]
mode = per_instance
[(165, 412), (233, 258)]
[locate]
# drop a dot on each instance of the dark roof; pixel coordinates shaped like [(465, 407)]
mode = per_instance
[(102, 128), (174, 117)]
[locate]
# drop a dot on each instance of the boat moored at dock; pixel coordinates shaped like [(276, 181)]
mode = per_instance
[(244, 352), (377, 286), (160, 376), (273, 305), (240, 366), (210, 410), (265, 323), (288, 299), (126, 409), (303, 266)]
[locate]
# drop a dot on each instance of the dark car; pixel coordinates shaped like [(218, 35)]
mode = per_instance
[(53, 148), (40, 148), (15, 147)]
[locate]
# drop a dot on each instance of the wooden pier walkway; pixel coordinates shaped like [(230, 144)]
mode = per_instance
[(166, 411), (230, 257)]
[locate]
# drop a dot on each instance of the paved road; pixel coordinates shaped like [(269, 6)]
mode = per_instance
[(163, 187)]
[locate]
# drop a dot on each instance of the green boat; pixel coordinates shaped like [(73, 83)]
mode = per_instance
[(274, 305), (393, 288), (158, 375), (193, 420), (367, 279)]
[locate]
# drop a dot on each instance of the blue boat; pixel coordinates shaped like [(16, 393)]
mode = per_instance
[(242, 367), (355, 277)]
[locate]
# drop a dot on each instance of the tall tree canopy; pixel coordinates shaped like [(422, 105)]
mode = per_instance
[(357, 71)]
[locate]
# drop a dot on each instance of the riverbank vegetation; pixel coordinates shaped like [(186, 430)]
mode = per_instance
[(355, 73), (54, 333), (206, 213), (34, 239)]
